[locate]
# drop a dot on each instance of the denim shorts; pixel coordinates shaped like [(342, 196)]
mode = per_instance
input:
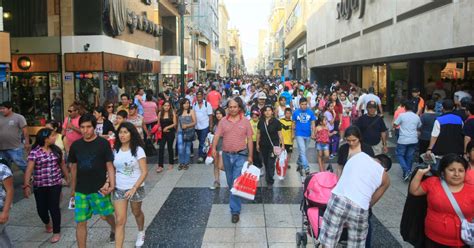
[(119, 194), (322, 147)]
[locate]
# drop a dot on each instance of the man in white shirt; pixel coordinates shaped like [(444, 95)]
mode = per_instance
[(203, 112), (362, 183)]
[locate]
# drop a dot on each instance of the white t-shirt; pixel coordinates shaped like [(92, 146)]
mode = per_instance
[(361, 177), (459, 95), (371, 97), (202, 115), (127, 169)]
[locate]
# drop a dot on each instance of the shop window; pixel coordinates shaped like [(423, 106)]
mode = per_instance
[(133, 81), (88, 89), (30, 93), (112, 87)]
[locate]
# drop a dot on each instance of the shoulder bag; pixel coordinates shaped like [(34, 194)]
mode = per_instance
[(467, 228), (188, 134), (276, 149)]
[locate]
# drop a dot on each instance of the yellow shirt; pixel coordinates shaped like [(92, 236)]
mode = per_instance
[(122, 108), (287, 131), (254, 125)]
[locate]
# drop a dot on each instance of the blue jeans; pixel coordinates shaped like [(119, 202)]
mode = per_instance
[(202, 135), (303, 143), (405, 155), (233, 164), (15, 156), (184, 149)]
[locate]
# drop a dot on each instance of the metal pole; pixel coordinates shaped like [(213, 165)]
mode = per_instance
[(182, 10)]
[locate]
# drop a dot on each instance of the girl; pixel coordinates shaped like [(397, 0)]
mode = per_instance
[(131, 171), (56, 127), (186, 121), (219, 113), (338, 109), (346, 113), (280, 109), (167, 119), (287, 130), (268, 136), (46, 164), (322, 141), (330, 115), (104, 127), (137, 120)]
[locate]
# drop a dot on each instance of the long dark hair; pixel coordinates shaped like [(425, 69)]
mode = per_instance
[(181, 104), (40, 141), (170, 111), (262, 111), (220, 110), (135, 139)]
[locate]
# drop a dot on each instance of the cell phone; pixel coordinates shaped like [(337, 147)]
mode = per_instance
[(100, 193), (72, 203)]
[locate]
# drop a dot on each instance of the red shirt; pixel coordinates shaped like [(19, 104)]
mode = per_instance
[(338, 109), (469, 176), (214, 98), (233, 134), (442, 225)]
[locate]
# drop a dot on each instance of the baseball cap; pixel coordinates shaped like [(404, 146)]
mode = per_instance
[(256, 112), (235, 92), (371, 104), (415, 90), (262, 95)]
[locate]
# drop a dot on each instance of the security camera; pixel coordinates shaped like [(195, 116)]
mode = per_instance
[(86, 47)]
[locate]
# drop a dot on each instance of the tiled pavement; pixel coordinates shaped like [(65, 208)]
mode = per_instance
[(181, 211)]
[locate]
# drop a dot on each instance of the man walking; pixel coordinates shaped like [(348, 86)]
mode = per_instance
[(237, 147), (304, 129), (92, 179), (12, 126), (409, 123), (373, 129), (203, 112)]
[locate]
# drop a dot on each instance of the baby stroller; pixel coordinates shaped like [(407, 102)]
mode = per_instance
[(316, 193)]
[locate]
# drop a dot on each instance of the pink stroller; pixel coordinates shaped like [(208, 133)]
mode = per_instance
[(317, 191)]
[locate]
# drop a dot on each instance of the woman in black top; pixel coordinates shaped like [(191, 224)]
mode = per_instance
[(269, 127), (354, 145), (167, 119), (104, 127)]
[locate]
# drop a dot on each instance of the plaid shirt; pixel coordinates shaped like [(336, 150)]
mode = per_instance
[(47, 171), (5, 173)]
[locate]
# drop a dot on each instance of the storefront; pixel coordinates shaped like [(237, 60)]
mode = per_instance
[(102, 76), (5, 59), (35, 88)]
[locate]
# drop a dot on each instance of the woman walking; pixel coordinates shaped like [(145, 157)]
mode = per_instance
[(353, 145), (269, 136), (219, 113), (46, 164), (109, 106), (168, 122), (346, 113), (186, 133), (104, 127), (137, 120), (150, 110), (130, 174)]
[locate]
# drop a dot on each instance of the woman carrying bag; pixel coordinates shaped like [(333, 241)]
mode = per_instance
[(269, 142), (186, 133)]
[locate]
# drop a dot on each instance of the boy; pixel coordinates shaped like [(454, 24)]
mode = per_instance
[(122, 116), (287, 127)]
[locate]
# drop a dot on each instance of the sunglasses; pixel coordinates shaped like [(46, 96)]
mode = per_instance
[(70, 111), (110, 106)]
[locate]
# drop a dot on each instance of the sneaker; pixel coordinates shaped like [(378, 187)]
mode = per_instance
[(262, 172), (298, 168), (289, 166), (140, 239), (306, 171), (192, 155), (235, 218), (406, 176), (112, 237), (215, 185), (185, 167), (200, 160), (181, 166), (332, 156)]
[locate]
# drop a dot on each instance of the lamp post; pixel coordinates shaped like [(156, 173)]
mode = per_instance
[(182, 11)]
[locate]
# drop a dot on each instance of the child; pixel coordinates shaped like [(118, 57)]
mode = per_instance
[(254, 123), (322, 141), (330, 115), (6, 200), (287, 130), (122, 116), (219, 114)]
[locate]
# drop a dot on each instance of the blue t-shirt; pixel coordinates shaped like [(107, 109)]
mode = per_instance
[(303, 119), (287, 96)]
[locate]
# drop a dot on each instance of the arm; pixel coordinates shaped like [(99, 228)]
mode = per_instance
[(380, 190), (313, 129), (65, 171), (110, 179), (384, 141), (8, 185), (467, 139), (210, 122), (26, 178), (145, 129), (27, 138), (258, 140), (140, 180), (282, 142), (380, 109), (415, 185), (214, 144), (73, 168), (250, 148)]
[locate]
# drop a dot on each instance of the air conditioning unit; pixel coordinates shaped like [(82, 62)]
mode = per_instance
[(301, 51)]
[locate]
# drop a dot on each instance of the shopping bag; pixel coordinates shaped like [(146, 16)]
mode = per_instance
[(208, 143), (157, 131), (245, 185), (282, 165)]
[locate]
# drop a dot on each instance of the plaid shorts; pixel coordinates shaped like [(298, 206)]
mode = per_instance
[(87, 205), (340, 213)]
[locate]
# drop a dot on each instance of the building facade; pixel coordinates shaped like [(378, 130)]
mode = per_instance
[(236, 59), (223, 41), (392, 45)]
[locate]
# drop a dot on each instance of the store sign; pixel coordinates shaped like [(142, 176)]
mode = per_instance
[(141, 22), (24, 63), (345, 8), (137, 65)]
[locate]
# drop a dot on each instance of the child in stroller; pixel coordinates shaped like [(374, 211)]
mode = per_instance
[(316, 191)]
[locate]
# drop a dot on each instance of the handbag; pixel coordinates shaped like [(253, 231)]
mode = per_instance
[(276, 149), (467, 228), (188, 134)]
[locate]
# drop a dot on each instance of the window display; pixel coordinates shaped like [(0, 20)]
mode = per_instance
[(88, 89), (133, 81)]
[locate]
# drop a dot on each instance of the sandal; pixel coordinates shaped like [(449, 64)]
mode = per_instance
[(56, 237), (159, 169), (170, 167), (49, 228)]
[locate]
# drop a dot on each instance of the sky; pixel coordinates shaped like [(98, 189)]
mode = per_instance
[(248, 16)]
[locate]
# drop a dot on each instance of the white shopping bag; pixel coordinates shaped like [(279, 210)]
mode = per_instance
[(245, 185), (282, 165)]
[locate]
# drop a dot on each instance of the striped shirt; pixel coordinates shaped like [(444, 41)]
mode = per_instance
[(47, 170), (233, 134)]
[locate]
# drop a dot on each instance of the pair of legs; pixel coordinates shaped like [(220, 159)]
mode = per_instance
[(121, 207), (233, 164), (405, 155), (15, 156), (166, 140), (202, 135), (323, 155), (184, 150), (303, 143), (217, 165), (257, 161), (269, 160), (47, 205), (81, 230)]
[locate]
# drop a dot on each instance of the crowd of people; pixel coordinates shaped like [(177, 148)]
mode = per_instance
[(101, 153)]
